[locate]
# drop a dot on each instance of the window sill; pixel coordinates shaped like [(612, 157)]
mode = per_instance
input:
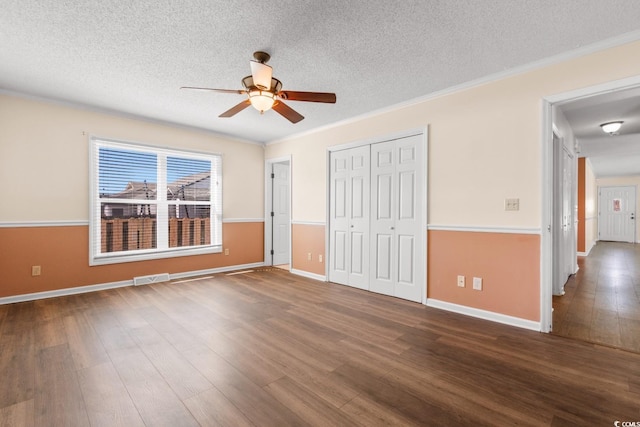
[(122, 257)]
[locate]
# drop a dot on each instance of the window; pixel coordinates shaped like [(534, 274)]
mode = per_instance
[(149, 202)]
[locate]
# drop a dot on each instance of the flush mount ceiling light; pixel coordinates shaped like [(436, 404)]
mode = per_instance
[(611, 127)]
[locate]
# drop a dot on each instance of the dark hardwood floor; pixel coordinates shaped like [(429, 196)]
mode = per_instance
[(602, 300), (268, 348)]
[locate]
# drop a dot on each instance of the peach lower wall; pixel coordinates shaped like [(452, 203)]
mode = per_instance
[(305, 239), (508, 263), (62, 252)]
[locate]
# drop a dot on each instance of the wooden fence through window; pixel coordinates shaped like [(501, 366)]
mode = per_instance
[(130, 234)]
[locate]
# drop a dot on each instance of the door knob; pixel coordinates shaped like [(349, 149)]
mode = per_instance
[(391, 228)]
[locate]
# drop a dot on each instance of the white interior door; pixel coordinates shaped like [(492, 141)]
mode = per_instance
[(281, 214), (617, 214), (384, 198), (338, 218), (409, 283), (563, 228), (359, 192), (349, 217), (396, 252)]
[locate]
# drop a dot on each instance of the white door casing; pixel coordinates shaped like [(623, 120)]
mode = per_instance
[(281, 214), (616, 211)]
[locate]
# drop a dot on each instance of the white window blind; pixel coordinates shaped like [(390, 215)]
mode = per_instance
[(149, 202)]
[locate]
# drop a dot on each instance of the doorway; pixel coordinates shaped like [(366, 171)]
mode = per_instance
[(278, 213), (585, 102)]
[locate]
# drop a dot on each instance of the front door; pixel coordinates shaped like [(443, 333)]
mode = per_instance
[(617, 209)]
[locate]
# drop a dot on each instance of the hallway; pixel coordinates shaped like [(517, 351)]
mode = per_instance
[(602, 301)]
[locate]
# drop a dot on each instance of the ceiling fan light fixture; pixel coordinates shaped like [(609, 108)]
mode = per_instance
[(261, 74), (262, 100), (611, 127)]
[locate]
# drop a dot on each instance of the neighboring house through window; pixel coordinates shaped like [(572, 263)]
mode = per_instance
[(149, 202)]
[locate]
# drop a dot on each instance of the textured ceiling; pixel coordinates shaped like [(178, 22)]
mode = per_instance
[(609, 155), (132, 56)]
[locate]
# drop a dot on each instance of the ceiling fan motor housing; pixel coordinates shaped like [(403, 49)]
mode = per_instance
[(276, 85)]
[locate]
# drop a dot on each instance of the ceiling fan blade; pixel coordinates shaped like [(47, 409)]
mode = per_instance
[(292, 95), (287, 112), (236, 109), (239, 91), (261, 74)]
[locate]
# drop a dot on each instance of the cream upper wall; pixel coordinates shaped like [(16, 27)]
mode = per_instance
[(44, 170), (624, 181), (484, 143)]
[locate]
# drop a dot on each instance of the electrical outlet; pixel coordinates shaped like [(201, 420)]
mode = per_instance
[(36, 270), (477, 283), (309, 256), (226, 251), (461, 281), (320, 258)]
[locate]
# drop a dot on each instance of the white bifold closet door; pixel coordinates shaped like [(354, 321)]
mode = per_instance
[(396, 251), (349, 217), (375, 218)]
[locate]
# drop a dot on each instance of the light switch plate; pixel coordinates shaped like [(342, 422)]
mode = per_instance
[(511, 204), (477, 283)]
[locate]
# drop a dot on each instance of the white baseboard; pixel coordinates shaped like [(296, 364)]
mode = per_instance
[(486, 315), (309, 275), (113, 285), (63, 292), (188, 274), (588, 251)]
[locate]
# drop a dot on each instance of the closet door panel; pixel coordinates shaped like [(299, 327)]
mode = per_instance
[(406, 258), (359, 178), (384, 200), (383, 249), (349, 217), (339, 218), (409, 283)]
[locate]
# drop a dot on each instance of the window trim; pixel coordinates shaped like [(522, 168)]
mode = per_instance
[(216, 215)]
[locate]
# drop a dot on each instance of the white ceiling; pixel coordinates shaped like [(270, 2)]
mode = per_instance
[(615, 155), (131, 57)]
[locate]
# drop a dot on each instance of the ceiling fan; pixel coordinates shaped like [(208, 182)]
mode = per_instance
[(264, 92)]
